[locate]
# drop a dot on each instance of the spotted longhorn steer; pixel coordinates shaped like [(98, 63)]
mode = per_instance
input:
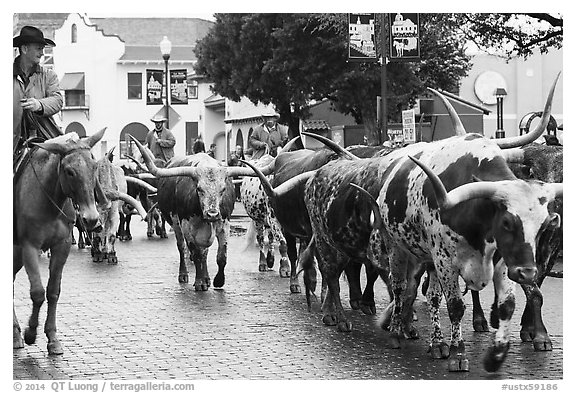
[(196, 195), (114, 183), (258, 209), (488, 210), (541, 162), (293, 217)]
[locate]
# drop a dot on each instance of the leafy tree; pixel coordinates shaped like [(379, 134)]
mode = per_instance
[(290, 59), (514, 35)]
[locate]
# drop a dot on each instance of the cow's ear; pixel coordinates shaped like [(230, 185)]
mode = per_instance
[(56, 148)]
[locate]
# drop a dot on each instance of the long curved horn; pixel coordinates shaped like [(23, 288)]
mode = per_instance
[(291, 143), (332, 145), (141, 183), (514, 155), (138, 164), (373, 205), (115, 195), (162, 172), (146, 175), (234, 171), (269, 169), (517, 141), (268, 189), (294, 182), (456, 122), (447, 200)]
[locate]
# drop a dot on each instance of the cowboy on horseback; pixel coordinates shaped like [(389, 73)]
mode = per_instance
[(36, 93)]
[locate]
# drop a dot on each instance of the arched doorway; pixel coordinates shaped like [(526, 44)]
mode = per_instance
[(138, 131), (77, 128), (220, 141), (239, 140)]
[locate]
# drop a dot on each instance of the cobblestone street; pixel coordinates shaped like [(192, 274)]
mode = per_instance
[(135, 321)]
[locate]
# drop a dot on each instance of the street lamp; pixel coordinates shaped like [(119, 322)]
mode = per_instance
[(500, 93), (166, 48)]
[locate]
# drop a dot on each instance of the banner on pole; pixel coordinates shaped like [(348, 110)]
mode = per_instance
[(362, 39), (178, 87), (154, 86), (404, 37)]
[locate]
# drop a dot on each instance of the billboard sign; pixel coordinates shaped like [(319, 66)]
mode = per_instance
[(404, 37), (361, 37)]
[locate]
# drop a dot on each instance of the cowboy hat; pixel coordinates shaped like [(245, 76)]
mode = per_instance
[(270, 113), (31, 35), (158, 118)]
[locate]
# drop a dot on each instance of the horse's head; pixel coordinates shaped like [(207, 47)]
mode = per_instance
[(77, 175)]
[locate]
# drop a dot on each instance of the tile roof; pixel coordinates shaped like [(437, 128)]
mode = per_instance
[(150, 31), (315, 125)]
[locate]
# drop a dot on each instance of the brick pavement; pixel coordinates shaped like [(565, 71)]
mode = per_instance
[(135, 321)]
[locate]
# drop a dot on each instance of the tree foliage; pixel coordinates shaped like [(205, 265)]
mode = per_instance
[(290, 59), (514, 35)]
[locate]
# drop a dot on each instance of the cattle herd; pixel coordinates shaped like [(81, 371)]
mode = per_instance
[(428, 215)]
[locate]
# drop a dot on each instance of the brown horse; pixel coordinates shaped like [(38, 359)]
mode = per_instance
[(59, 175)]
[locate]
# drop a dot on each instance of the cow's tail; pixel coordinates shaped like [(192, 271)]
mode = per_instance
[(306, 264), (250, 238)]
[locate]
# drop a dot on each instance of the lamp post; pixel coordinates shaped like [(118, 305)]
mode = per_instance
[(500, 93), (165, 49)]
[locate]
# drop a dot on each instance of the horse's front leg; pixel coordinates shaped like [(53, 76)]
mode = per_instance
[(17, 332), (57, 260), (30, 255)]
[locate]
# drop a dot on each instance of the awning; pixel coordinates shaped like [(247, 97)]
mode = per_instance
[(72, 81)]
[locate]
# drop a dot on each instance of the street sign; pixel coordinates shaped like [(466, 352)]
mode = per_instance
[(404, 37), (409, 126)]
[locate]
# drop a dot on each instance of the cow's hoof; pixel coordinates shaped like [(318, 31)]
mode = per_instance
[(81, 245), (97, 257), (542, 344), (344, 327), (262, 268), (459, 363), (163, 235), (219, 280), (495, 357), (411, 333), (112, 259), (284, 268), (439, 350), (355, 304), (17, 341), (150, 234), (270, 260), (295, 288), (200, 286), (55, 348), (480, 325), (30, 336), (183, 278), (73, 241), (128, 237), (329, 320), (394, 341), (368, 309)]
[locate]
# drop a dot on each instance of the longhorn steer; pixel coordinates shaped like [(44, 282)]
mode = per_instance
[(459, 231), (264, 220), (291, 212), (113, 181), (196, 195), (59, 174), (543, 163)]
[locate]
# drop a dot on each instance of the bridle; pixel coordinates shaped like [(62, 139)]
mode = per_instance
[(61, 156)]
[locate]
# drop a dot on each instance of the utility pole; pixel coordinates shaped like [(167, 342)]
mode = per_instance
[(383, 121)]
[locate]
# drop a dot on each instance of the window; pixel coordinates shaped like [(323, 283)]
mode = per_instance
[(134, 85), (74, 34), (74, 98), (192, 89)]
